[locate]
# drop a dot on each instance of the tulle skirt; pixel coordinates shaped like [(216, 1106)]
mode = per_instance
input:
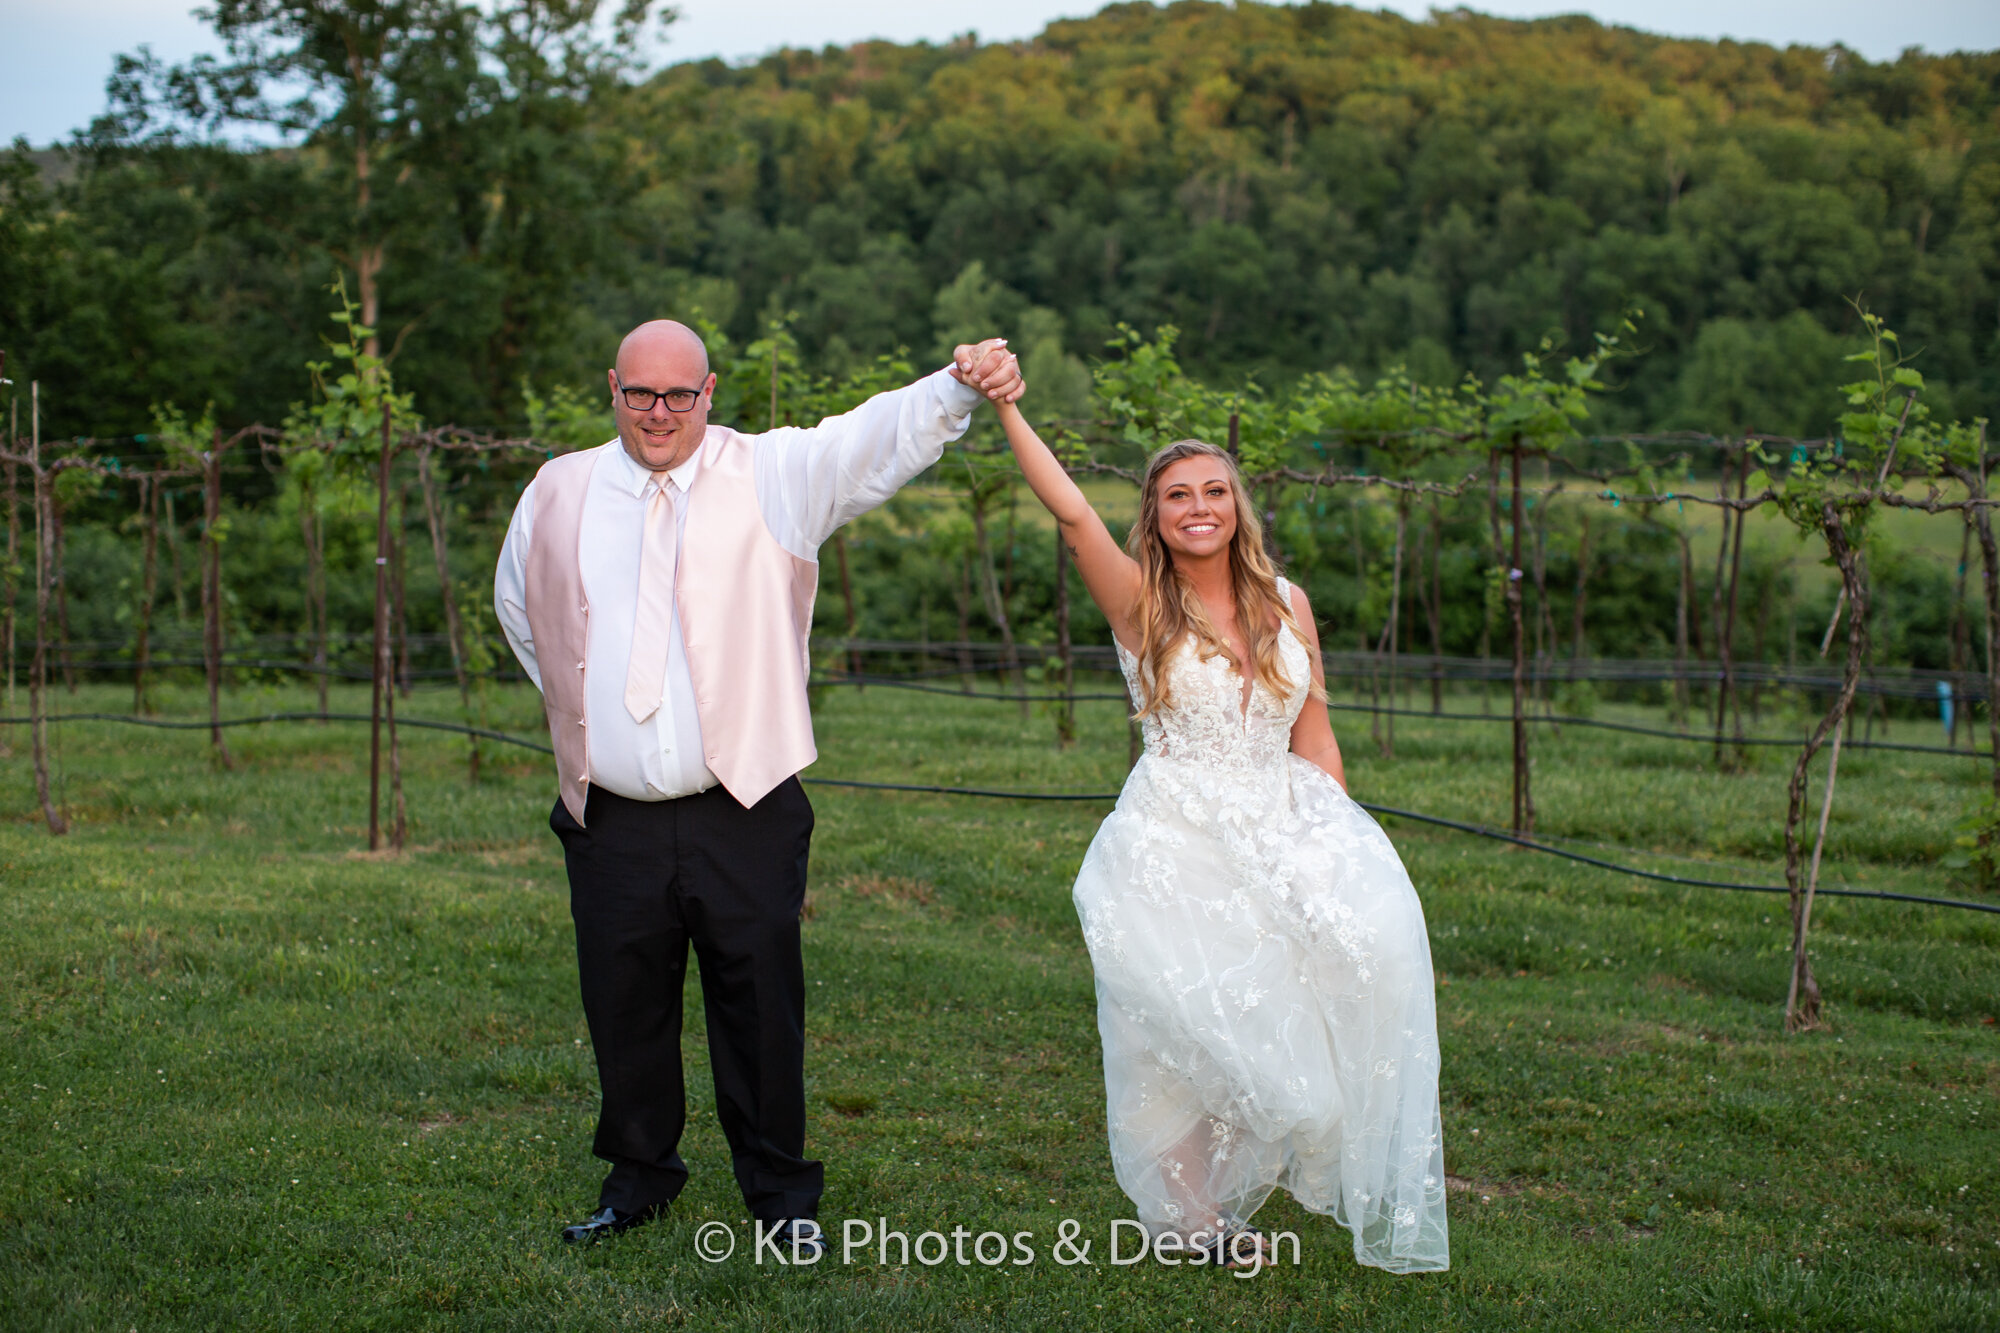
[(1266, 1005)]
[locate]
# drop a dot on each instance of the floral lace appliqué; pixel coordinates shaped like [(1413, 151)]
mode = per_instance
[(1264, 980)]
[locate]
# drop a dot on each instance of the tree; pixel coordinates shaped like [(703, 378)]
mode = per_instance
[(412, 111)]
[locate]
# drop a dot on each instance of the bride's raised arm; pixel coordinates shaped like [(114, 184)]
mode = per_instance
[(1111, 575)]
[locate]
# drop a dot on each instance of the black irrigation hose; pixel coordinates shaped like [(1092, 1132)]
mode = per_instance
[(1475, 829), (1450, 824), (1666, 878), (900, 683)]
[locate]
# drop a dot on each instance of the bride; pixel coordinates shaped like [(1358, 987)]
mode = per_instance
[(1264, 990)]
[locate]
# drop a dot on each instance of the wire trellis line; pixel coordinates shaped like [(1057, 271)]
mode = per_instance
[(1410, 669), (994, 793), (168, 724), (1558, 720), (1545, 719)]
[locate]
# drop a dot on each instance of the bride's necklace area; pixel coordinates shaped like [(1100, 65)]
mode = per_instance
[(1237, 653)]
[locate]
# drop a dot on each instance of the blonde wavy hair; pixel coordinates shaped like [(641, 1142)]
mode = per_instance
[(1169, 609)]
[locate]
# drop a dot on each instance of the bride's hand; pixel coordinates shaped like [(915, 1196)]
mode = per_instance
[(990, 368)]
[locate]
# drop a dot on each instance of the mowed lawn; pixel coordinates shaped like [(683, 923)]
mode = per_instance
[(251, 1076)]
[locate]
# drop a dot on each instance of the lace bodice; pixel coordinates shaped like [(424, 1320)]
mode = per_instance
[(1205, 721)]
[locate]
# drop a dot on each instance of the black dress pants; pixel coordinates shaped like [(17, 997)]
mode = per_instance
[(646, 879)]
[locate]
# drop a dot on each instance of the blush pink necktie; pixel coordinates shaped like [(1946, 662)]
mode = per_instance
[(646, 676)]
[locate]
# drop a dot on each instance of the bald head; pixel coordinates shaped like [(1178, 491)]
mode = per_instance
[(662, 341), (668, 360)]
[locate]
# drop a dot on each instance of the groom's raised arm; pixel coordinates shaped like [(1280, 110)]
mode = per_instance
[(810, 480)]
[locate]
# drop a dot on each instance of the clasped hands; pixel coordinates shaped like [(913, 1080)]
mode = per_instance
[(990, 368)]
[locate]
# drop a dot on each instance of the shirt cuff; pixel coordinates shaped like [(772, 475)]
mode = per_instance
[(958, 399)]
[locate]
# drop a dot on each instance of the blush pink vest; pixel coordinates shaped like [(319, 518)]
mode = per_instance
[(745, 605)]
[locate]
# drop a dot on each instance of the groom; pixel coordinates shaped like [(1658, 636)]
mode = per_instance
[(658, 590)]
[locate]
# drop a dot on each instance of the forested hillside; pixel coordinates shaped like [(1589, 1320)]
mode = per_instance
[(1295, 187)]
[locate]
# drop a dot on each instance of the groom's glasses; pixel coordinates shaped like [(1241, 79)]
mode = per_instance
[(642, 400)]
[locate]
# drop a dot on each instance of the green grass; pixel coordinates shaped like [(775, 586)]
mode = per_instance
[(254, 1077)]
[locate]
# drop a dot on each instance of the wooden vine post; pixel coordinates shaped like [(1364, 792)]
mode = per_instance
[(1065, 659), (1961, 632), (149, 546), (1498, 569), (1532, 413), (38, 671), (1723, 602), (1683, 596), (312, 530), (399, 619), (1434, 608), (434, 518), (1391, 640), (1969, 466), (152, 493), (383, 703), (1508, 567), (59, 582), (1545, 625), (1524, 799), (211, 591), (41, 480), (10, 572)]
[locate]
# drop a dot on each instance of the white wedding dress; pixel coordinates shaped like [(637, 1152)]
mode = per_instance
[(1264, 988)]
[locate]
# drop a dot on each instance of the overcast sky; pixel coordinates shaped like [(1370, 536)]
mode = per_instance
[(54, 54)]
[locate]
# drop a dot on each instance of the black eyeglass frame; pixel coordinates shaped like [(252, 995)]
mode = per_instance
[(656, 395)]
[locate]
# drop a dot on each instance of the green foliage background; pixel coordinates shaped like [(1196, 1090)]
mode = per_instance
[(1296, 187), (1314, 196)]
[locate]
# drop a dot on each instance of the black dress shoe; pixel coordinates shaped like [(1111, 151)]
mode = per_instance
[(609, 1222), (801, 1241)]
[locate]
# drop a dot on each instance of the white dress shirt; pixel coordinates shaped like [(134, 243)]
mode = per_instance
[(809, 482)]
